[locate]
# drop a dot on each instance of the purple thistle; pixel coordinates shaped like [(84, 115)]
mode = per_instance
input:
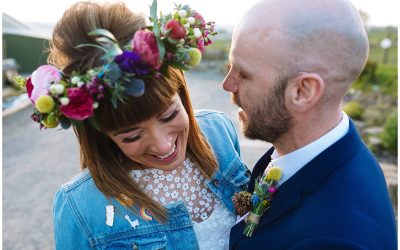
[(130, 62)]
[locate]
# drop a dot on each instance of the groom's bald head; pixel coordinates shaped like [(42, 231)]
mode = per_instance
[(324, 37)]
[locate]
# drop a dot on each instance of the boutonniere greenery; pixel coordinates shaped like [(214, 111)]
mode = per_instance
[(257, 203)]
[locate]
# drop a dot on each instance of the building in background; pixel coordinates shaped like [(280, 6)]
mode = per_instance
[(25, 43)]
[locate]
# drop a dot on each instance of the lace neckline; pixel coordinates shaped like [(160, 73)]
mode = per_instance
[(185, 183)]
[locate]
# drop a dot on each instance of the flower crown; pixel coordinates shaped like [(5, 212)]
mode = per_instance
[(177, 39)]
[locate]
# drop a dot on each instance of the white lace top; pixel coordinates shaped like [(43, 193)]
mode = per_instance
[(212, 221)]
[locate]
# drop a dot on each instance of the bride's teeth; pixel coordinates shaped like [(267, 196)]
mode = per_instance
[(167, 155)]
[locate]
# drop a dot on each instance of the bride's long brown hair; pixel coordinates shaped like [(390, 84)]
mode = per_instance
[(98, 152)]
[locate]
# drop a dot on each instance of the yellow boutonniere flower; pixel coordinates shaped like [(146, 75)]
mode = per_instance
[(274, 173)]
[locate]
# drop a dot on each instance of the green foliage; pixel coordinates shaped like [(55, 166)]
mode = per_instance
[(387, 79), (224, 45), (389, 134), (378, 77), (354, 110), (376, 114), (367, 76), (376, 53), (380, 72)]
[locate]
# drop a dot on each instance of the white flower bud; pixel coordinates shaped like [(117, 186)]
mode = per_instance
[(64, 100), (191, 20), (75, 79), (80, 84), (186, 25), (58, 88), (52, 89), (163, 30), (91, 72), (182, 13), (95, 105), (182, 41), (197, 32)]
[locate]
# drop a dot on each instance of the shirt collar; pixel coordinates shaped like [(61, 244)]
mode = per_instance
[(294, 161)]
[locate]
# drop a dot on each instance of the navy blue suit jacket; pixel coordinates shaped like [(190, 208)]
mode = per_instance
[(339, 200)]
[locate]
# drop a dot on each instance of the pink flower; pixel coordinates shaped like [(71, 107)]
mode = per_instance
[(80, 104), (144, 43), (29, 88), (207, 42), (177, 31), (198, 16), (272, 189), (200, 45), (41, 79), (170, 56)]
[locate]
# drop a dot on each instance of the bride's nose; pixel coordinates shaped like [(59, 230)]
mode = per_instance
[(162, 143)]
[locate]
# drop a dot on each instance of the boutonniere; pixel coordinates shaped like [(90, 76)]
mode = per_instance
[(258, 202)]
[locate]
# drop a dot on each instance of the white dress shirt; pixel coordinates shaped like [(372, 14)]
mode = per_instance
[(294, 161)]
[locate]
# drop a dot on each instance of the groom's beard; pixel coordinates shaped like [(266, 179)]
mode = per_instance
[(269, 118)]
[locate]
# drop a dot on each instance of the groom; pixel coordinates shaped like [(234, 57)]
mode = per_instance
[(292, 62)]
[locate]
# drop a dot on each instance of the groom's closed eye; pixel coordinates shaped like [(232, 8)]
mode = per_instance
[(238, 72), (242, 76)]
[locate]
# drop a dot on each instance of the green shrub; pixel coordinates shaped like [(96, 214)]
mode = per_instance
[(386, 77), (354, 110), (376, 115), (389, 134), (378, 77)]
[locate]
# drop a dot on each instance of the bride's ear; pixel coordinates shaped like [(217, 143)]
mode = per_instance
[(304, 91)]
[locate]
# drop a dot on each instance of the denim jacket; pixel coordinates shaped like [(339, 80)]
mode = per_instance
[(80, 208)]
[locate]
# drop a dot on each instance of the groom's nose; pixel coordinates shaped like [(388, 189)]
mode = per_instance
[(229, 84)]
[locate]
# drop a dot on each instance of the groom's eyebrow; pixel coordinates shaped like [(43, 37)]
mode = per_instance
[(239, 67)]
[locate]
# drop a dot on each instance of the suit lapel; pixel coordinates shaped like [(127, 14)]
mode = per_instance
[(259, 168), (307, 179)]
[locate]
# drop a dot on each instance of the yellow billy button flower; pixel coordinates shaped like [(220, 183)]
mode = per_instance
[(51, 121), (274, 173), (195, 57), (44, 104)]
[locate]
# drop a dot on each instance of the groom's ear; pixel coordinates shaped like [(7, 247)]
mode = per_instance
[(304, 91)]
